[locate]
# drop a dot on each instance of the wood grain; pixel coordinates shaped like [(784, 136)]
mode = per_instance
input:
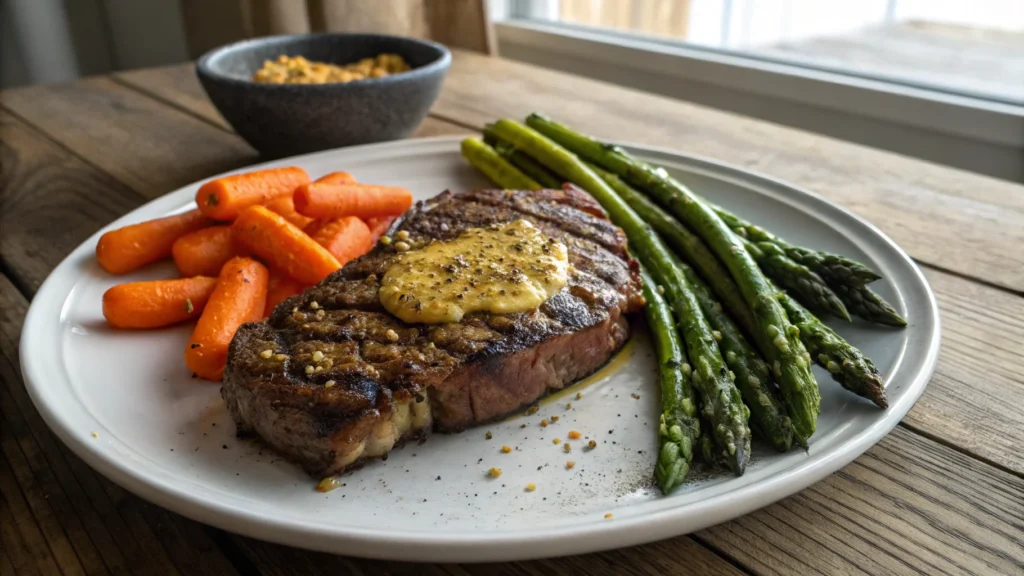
[(974, 400), (144, 144), (42, 185), (125, 530), (680, 555), (462, 24), (952, 219), (908, 506), (176, 85)]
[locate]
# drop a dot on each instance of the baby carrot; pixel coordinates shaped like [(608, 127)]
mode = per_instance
[(239, 297), (156, 303), (204, 252), (345, 238), (224, 198), (282, 245), (280, 288), (319, 200), (378, 226), (125, 249), (285, 206), (337, 178)]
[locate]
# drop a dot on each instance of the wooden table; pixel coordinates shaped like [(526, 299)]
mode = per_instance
[(943, 493)]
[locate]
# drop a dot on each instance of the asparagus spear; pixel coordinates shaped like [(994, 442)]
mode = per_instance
[(488, 161), (778, 338), (807, 286), (753, 379), (865, 303), (833, 267), (846, 364), (679, 428), (527, 165), (721, 403), (847, 278)]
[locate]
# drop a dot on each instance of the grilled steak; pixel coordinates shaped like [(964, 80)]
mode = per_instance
[(376, 381)]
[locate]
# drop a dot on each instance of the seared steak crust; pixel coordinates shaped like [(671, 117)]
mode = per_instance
[(380, 380)]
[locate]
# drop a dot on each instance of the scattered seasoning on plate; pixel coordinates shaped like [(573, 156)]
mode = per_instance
[(531, 487), (608, 516), (574, 434), (569, 464), (592, 444), (494, 472), (95, 434), (579, 395), (488, 435), (506, 449), (556, 441)]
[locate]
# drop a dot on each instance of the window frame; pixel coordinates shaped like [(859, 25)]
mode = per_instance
[(686, 71)]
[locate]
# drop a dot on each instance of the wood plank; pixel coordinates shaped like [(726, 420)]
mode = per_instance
[(680, 555), (42, 184), (974, 400), (176, 85), (908, 506), (19, 526), (71, 547), (952, 219), (144, 144), (461, 24), (164, 543)]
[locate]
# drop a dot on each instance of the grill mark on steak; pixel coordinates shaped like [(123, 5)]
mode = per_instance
[(467, 373)]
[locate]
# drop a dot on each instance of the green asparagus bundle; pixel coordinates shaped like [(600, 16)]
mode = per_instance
[(488, 161), (777, 338), (679, 428), (846, 277), (527, 165), (841, 269), (807, 286), (753, 379), (848, 366), (721, 403)]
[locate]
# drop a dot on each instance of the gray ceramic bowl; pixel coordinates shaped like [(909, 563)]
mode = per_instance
[(288, 119)]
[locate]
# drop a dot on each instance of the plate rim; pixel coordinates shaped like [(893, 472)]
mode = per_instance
[(492, 545)]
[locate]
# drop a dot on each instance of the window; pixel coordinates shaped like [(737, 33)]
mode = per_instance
[(946, 73)]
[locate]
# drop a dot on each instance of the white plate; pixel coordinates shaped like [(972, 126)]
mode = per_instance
[(167, 437)]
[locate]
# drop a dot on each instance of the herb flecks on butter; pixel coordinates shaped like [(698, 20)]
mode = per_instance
[(502, 269)]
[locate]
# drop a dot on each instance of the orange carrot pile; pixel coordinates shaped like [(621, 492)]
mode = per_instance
[(337, 178), (280, 288), (345, 238), (156, 303), (282, 245), (256, 239), (125, 249), (319, 200), (224, 198), (285, 206), (239, 297), (204, 252)]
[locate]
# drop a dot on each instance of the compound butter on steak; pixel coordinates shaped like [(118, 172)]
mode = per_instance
[(476, 306)]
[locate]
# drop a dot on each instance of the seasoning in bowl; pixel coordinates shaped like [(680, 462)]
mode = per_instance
[(298, 70)]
